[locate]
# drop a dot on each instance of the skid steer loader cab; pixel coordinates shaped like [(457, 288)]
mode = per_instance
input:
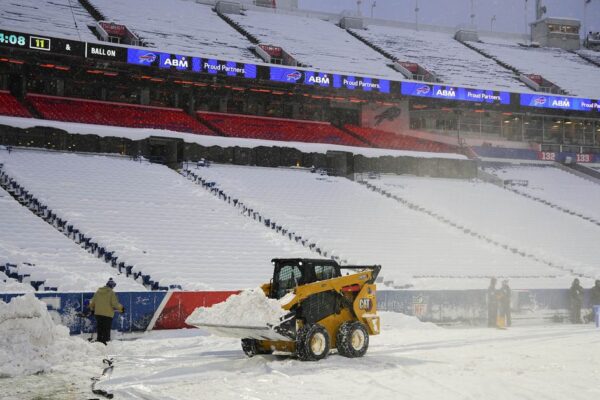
[(288, 274)]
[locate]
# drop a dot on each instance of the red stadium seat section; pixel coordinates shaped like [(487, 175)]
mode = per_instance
[(9, 105), (389, 140), (115, 114), (251, 127)]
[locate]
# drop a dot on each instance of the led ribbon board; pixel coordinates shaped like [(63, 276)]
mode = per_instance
[(322, 79), (559, 102), (454, 93), (158, 59)]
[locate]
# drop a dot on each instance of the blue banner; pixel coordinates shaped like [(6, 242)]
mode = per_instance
[(559, 102), (454, 93), (322, 79), (184, 63)]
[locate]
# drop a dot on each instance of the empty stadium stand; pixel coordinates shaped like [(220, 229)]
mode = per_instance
[(390, 140), (36, 253), (565, 69), (57, 18), (115, 114), (9, 105), (316, 43), (440, 53), (246, 126), (195, 29), (163, 230), (497, 215), (356, 225)]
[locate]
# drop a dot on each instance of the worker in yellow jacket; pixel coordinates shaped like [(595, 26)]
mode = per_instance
[(103, 305)]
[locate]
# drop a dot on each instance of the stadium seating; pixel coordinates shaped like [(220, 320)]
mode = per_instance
[(115, 114), (451, 61), (563, 68), (33, 251), (10, 106), (161, 228), (279, 129), (390, 140)]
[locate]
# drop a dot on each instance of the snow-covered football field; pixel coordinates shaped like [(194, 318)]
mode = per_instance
[(409, 360)]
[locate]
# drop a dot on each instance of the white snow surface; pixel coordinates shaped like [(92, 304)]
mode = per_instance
[(441, 54), (56, 18), (248, 308), (30, 342), (153, 218), (591, 54), (557, 186), (568, 242), (565, 69), (57, 260), (407, 360), (317, 43), (360, 226), (180, 26), (138, 134)]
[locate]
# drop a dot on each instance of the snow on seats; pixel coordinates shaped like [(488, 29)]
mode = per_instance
[(57, 18), (565, 69), (152, 218), (513, 220), (38, 250), (317, 43), (360, 226), (441, 54), (179, 26)]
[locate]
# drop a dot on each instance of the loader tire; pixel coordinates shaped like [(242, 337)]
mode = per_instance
[(251, 348), (312, 343), (352, 339)]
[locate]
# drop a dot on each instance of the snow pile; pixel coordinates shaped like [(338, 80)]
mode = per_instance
[(249, 308), (395, 320), (30, 342)]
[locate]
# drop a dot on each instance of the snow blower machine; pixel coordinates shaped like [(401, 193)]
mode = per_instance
[(326, 310)]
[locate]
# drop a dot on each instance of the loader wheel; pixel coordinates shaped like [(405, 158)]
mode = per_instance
[(352, 339), (251, 348), (312, 343)]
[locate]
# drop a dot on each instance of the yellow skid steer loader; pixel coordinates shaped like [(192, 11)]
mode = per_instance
[(327, 310)]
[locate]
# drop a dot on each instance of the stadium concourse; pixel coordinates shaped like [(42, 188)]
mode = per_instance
[(179, 146)]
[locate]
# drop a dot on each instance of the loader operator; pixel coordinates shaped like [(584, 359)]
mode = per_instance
[(103, 305)]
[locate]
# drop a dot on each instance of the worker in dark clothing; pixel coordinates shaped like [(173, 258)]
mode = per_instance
[(504, 304), (103, 305), (576, 297), (595, 297), (492, 302)]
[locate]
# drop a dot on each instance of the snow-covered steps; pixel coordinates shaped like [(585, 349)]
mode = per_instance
[(155, 220)]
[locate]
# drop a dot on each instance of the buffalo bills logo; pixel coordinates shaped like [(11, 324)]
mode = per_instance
[(539, 101), (423, 90), (148, 58), (294, 76)]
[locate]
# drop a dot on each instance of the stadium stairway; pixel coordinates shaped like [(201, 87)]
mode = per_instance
[(581, 171), (550, 204), (588, 59), (30, 201), (465, 229), (253, 39), (93, 11), (269, 223)]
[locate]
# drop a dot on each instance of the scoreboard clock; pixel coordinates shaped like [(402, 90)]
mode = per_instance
[(25, 41), (13, 39)]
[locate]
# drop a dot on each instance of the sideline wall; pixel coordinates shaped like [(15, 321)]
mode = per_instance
[(169, 310), (263, 156)]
